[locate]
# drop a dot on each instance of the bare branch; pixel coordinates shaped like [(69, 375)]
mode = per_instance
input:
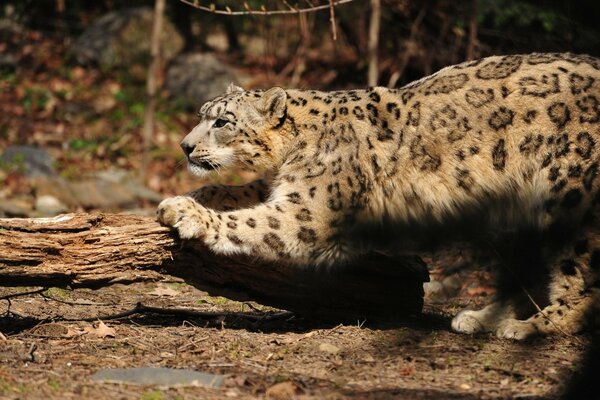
[(374, 27), (141, 308), (21, 294), (151, 86), (263, 11), (332, 20)]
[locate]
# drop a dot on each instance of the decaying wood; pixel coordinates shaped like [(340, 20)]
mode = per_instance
[(83, 250)]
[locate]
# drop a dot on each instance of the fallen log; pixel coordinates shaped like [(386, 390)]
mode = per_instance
[(95, 250)]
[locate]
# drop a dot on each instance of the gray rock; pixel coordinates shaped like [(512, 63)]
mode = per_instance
[(196, 78), (49, 206), (57, 187), (31, 161), (97, 193), (130, 183), (164, 377), (122, 38), (113, 189), (13, 208)]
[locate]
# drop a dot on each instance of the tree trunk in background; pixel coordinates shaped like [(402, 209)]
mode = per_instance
[(83, 250), (472, 44), (151, 86), (374, 28)]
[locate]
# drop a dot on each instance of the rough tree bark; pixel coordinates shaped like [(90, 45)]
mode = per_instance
[(84, 250)]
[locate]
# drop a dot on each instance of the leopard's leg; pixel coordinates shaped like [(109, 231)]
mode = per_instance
[(484, 320), (520, 269), (285, 229), (225, 198), (571, 293)]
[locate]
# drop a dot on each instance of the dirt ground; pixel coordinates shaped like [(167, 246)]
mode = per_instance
[(47, 351)]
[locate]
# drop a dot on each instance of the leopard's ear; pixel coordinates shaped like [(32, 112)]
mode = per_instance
[(232, 88), (273, 104)]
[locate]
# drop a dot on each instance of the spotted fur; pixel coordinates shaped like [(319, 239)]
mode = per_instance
[(504, 150)]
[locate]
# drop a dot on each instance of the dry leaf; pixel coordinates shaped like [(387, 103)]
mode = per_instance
[(101, 330), (164, 290), (329, 348), (283, 391)]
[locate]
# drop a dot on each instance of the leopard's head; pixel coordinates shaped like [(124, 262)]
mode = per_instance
[(241, 129)]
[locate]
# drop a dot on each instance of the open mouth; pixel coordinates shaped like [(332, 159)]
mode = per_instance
[(203, 164)]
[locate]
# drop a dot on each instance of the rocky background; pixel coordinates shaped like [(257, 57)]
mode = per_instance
[(72, 78)]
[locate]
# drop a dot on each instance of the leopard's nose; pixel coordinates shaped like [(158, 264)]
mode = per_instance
[(187, 148)]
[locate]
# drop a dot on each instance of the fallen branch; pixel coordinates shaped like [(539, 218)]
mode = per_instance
[(83, 250), (141, 308)]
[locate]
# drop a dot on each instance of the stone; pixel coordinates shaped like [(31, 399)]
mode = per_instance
[(28, 160), (54, 186), (130, 183), (198, 77), (162, 376), (14, 208), (98, 193), (112, 189), (122, 39), (49, 206)]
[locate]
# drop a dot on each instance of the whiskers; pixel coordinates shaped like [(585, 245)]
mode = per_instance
[(215, 167), (180, 163)]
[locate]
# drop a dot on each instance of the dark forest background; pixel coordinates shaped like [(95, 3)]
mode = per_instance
[(417, 37)]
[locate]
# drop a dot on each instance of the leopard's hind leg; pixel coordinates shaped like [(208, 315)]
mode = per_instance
[(521, 269), (572, 292)]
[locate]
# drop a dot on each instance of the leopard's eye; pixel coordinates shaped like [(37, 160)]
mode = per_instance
[(219, 123)]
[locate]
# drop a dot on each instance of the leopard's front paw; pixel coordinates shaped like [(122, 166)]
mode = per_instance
[(468, 321), (516, 329), (183, 214)]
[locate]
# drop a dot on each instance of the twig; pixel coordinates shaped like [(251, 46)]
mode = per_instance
[(30, 356), (152, 86), (142, 309), (505, 371), (192, 343), (332, 19), (74, 303), (293, 9), (249, 11), (21, 294)]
